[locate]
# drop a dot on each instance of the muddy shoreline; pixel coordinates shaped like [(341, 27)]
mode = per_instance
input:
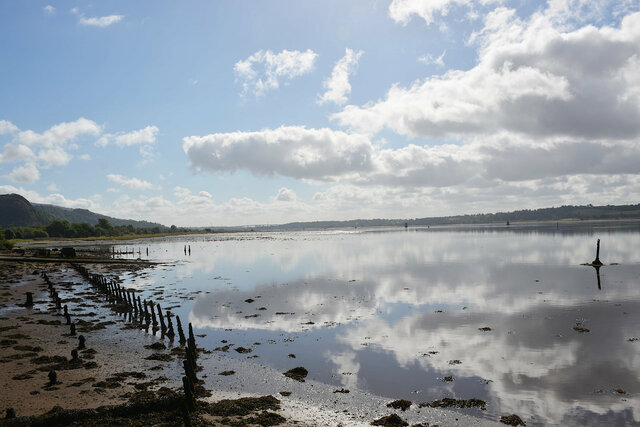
[(125, 373)]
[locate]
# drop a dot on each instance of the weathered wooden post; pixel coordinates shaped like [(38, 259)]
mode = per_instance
[(53, 377), (73, 329), (188, 394), (170, 332), (81, 342), (186, 419), (188, 369), (29, 302), (597, 260), (183, 340), (163, 327), (192, 341)]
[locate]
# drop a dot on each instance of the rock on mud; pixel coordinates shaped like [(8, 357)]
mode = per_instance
[(298, 374)]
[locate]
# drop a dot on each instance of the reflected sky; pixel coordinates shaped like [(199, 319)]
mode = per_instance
[(395, 311)]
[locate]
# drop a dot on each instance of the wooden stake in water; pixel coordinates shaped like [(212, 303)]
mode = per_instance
[(597, 260)]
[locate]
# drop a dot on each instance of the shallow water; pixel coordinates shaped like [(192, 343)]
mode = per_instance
[(394, 311)]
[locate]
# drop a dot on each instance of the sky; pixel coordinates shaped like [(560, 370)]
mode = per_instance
[(217, 113)]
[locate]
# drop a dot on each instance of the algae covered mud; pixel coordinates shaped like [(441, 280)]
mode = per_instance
[(508, 315)]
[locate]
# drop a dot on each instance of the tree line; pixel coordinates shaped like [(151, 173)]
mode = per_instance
[(63, 228)]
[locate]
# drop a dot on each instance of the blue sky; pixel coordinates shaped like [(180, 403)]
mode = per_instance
[(246, 112)]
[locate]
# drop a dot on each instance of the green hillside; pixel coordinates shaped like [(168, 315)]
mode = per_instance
[(78, 216), (16, 211)]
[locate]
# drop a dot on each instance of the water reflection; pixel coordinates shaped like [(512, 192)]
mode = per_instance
[(396, 312)]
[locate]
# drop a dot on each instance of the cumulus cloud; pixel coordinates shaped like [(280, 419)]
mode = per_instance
[(25, 174), (146, 135), (338, 86), (143, 138), (49, 10), (403, 10), (7, 127), (264, 70), (294, 151), (53, 146), (17, 152), (46, 149), (532, 78), (54, 157), (286, 195), (133, 183), (59, 134)]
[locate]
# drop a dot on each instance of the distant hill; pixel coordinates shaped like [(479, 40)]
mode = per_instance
[(588, 212), (16, 211), (77, 216)]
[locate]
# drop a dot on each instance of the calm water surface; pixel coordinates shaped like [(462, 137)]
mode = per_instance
[(395, 311)]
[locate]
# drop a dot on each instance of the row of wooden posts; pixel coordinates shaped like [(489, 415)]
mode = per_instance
[(145, 313), (53, 377)]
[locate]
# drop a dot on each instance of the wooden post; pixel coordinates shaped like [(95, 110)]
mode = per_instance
[(163, 327), (29, 302), (188, 394), (597, 260), (186, 419), (192, 341), (170, 333), (183, 340)]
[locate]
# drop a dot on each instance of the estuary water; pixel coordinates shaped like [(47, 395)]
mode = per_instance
[(508, 315)]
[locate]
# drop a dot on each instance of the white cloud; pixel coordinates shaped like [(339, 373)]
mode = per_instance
[(59, 134), (531, 79), (14, 153), (403, 10), (84, 157), (7, 127), (181, 191), (294, 151), (286, 195), (133, 183), (263, 70), (43, 150), (429, 59), (146, 135), (54, 157), (338, 86), (100, 21), (49, 10), (25, 174)]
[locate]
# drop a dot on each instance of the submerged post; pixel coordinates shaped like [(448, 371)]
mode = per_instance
[(597, 260)]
